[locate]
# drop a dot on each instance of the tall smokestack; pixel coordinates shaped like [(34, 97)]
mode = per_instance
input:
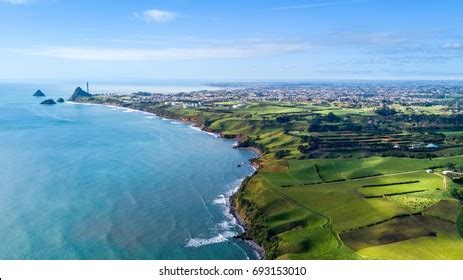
[(88, 91)]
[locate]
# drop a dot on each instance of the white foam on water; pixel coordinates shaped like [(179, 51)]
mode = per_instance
[(207, 132), (220, 238), (220, 200), (195, 128), (226, 229)]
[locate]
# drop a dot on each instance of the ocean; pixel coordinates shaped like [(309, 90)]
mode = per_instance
[(96, 182)]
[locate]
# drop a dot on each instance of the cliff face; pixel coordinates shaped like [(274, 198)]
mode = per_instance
[(78, 94)]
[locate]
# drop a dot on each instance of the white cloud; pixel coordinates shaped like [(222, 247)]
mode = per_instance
[(314, 5), (453, 46), (154, 15), (128, 54), (363, 39), (15, 2)]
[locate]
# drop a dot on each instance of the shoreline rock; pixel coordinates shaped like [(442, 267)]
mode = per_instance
[(260, 252)]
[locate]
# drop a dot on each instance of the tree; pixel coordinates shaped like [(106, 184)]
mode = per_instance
[(331, 117), (386, 111), (304, 149), (315, 127), (283, 119), (281, 154)]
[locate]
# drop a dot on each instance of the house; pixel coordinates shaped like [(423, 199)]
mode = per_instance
[(432, 146), (238, 106), (429, 171)]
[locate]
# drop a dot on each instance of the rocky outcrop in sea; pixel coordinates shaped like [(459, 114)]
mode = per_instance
[(39, 93), (48, 102), (78, 94)]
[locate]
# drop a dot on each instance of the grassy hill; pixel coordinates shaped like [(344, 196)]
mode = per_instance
[(344, 183)]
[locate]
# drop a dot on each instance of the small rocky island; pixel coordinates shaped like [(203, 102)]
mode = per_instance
[(78, 94), (48, 102), (60, 100), (39, 93)]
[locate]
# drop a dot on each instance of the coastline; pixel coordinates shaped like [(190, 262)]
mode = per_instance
[(233, 209), (259, 250)]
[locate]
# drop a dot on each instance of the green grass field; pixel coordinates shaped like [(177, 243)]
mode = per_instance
[(423, 248), (447, 244), (316, 203), (341, 205), (392, 231), (446, 209)]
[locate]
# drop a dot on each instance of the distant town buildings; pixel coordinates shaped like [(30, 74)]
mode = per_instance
[(344, 95)]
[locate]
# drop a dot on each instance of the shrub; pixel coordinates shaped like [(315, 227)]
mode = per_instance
[(281, 154)]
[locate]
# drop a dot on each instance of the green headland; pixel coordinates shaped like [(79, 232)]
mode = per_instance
[(339, 179)]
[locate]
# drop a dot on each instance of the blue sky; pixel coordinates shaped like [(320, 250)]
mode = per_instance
[(239, 39)]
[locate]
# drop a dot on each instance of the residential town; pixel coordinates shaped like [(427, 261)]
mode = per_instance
[(347, 95)]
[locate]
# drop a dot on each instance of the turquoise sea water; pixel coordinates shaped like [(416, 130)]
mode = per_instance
[(95, 182)]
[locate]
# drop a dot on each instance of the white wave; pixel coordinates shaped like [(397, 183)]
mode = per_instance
[(213, 134), (175, 122), (220, 200), (92, 104), (227, 225), (151, 117), (207, 132), (226, 229), (195, 128), (235, 187), (220, 238)]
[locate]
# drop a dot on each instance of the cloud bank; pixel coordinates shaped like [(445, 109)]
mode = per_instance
[(156, 16), (313, 5), (130, 54), (15, 2)]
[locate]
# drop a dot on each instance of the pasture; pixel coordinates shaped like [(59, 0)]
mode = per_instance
[(339, 190), (361, 213)]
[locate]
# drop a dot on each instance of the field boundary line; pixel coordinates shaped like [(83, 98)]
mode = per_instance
[(328, 224)]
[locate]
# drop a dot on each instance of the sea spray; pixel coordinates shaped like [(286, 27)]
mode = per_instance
[(226, 229)]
